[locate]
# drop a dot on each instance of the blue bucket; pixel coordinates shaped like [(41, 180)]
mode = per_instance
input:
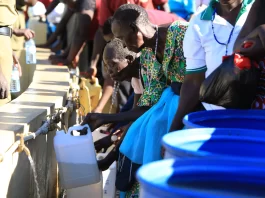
[(215, 142), (245, 119), (197, 142), (202, 178)]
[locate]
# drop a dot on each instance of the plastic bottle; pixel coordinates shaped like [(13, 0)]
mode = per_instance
[(30, 52), (15, 82)]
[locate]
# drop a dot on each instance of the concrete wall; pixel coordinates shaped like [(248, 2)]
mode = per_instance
[(47, 91)]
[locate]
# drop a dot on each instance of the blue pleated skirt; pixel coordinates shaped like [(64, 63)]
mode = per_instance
[(142, 143)]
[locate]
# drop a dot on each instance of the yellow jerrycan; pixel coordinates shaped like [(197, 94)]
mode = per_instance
[(89, 95)]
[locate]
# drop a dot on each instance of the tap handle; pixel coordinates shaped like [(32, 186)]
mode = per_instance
[(21, 135)]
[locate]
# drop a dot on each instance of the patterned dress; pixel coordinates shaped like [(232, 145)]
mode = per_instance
[(173, 69)]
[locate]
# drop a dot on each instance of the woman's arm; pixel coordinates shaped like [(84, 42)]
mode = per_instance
[(256, 18), (97, 50), (80, 33), (195, 74), (95, 120), (189, 98)]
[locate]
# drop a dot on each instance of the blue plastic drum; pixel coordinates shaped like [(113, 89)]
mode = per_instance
[(215, 141), (202, 178), (244, 119)]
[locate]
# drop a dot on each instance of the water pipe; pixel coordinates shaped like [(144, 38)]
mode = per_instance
[(19, 146)]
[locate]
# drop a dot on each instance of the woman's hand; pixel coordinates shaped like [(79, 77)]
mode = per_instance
[(94, 120), (254, 44)]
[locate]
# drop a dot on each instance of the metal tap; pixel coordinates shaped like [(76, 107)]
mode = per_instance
[(1, 158), (21, 147)]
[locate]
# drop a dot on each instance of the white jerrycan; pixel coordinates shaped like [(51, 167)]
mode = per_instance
[(89, 191), (104, 189), (76, 158)]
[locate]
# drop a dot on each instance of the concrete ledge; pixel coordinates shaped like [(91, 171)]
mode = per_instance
[(47, 91)]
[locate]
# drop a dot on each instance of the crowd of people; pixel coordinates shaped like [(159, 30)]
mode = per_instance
[(156, 54)]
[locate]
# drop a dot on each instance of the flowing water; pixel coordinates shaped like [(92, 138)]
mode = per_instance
[(33, 167)]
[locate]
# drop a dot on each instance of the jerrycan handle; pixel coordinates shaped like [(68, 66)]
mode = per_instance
[(78, 128)]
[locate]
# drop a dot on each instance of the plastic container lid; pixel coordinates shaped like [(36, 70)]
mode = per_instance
[(175, 139), (62, 132), (246, 119), (185, 178)]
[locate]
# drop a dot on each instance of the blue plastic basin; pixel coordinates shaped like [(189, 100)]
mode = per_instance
[(212, 141), (204, 178), (245, 119)]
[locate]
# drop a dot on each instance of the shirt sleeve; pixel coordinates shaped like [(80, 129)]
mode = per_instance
[(104, 12), (193, 50)]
